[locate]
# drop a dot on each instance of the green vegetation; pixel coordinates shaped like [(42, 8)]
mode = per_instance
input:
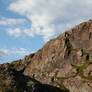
[(87, 24), (81, 68), (8, 89), (62, 87), (2, 78), (84, 53), (75, 49), (88, 77), (84, 81), (79, 71), (19, 64), (69, 46), (62, 78), (68, 37)]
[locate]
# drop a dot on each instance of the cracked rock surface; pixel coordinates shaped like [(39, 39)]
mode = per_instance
[(64, 64)]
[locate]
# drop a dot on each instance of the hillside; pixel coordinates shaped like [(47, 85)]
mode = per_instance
[(64, 64)]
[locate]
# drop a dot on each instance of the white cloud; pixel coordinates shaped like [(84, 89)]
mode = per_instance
[(49, 17), (29, 32), (14, 32), (11, 21), (13, 53), (5, 51), (20, 52), (17, 32)]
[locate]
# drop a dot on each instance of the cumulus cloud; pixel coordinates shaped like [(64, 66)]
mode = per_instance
[(29, 32), (11, 21), (13, 52), (3, 53), (17, 32), (14, 32), (20, 52), (49, 17)]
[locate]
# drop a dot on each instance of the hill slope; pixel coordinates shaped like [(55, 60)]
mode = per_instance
[(64, 64)]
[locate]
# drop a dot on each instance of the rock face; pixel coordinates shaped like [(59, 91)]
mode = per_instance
[(64, 64)]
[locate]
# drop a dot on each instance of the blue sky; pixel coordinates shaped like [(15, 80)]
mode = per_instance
[(26, 25)]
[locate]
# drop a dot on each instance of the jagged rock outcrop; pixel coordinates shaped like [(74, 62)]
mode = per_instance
[(64, 64)]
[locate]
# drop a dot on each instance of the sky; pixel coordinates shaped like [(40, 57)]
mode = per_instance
[(26, 25)]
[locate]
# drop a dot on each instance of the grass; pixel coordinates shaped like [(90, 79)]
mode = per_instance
[(8, 89), (84, 81), (85, 53), (62, 87), (62, 78), (81, 68), (75, 49), (88, 77)]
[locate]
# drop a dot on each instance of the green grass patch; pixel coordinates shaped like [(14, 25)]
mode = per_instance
[(81, 68), (75, 49), (84, 81), (88, 77), (64, 89), (8, 89), (63, 78), (84, 53)]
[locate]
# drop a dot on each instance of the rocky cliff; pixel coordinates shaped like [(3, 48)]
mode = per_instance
[(64, 64)]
